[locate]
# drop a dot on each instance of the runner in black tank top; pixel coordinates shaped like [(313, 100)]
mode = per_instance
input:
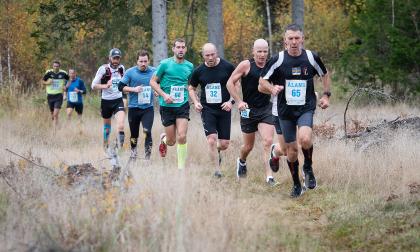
[(255, 108), (292, 73), (249, 84)]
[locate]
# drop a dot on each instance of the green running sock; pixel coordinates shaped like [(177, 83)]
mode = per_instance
[(182, 155)]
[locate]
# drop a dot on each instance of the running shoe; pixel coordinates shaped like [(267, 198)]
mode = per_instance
[(218, 174), (296, 191), (133, 153), (271, 182), (240, 169), (274, 162), (309, 177), (163, 148)]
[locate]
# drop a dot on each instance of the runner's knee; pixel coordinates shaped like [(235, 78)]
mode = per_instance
[(224, 145), (305, 141)]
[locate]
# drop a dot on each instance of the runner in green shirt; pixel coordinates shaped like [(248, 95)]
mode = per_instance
[(55, 80), (171, 83)]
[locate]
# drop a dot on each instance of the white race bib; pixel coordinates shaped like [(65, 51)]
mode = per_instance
[(177, 94), (145, 95), (73, 97), (245, 113), (56, 84), (295, 92), (213, 93), (115, 82)]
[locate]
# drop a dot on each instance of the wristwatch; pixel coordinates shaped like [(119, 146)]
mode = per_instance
[(327, 93), (232, 101)]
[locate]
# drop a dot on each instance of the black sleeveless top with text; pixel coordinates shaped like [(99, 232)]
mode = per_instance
[(249, 84)]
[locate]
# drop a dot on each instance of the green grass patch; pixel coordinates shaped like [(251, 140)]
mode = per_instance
[(384, 226)]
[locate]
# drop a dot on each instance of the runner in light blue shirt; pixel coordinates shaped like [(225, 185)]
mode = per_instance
[(75, 88), (140, 102)]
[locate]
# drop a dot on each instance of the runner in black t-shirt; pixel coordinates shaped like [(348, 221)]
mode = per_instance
[(215, 103), (292, 72), (255, 108)]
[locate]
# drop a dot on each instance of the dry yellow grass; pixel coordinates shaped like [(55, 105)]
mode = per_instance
[(364, 201)]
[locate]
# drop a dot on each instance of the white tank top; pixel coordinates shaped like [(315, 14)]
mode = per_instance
[(111, 93)]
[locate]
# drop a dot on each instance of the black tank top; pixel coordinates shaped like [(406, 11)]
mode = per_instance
[(250, 92)]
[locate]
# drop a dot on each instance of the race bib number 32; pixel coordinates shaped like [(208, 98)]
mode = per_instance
[(213, 93), (145, 95), (177, 94), (295, 92)]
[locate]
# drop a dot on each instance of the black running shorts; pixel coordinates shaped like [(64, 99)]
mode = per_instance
[(76, 106), (288, 124), (168, 115), (257, 116), (111, 107), (55, 101), (216, 122), (277, 125)]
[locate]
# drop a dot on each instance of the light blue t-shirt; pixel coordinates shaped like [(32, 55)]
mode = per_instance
[(133, 78), (72, 96)]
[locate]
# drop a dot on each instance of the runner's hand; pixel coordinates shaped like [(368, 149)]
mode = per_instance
[(156, 93), (242, 105), (167, 98), (138, 89), (198, 107), (324, 102), (77, 90), (226, 106), (108, 84), (276, 89)]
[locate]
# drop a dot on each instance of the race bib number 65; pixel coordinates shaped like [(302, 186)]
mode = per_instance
[(177, 94), (296, 92)]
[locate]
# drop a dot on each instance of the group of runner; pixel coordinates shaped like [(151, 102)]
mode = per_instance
[(277, 96)]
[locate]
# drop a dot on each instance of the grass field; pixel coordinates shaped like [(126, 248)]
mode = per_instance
[(365, 200)]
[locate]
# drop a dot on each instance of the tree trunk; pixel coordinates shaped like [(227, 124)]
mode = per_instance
[(298, 12), (270, 35), (215, 25), (160, 39)]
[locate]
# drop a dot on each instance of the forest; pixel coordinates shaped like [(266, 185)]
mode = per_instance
[(365, 43)]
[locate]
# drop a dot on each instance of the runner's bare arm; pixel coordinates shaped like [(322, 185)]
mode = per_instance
[(264, 86), (324, 102), (154, 83), (192, 93), (233, 83)]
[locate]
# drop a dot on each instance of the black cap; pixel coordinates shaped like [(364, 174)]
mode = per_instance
[(115, 52)]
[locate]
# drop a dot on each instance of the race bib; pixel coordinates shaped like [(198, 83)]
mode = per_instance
[(213, 93), (245, 113), (295, 92), (73, 97), (115, 84), (177, 94), (145, 95), (56, 84)]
